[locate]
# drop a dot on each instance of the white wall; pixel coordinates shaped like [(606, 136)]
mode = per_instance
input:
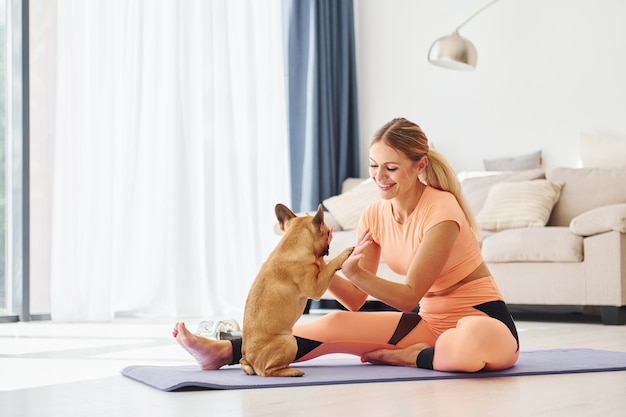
[(547, 70)]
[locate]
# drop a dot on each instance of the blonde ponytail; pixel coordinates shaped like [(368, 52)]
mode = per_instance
[(440, 174)]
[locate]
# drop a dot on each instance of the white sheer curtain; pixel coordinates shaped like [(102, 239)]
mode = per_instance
[(170, 154)]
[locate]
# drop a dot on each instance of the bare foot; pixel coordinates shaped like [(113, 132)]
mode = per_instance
[(398, 357), (210, 354)]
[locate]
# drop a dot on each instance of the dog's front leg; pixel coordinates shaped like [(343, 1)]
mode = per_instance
[(326, 274)]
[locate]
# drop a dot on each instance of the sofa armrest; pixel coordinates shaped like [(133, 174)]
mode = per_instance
[(600, 220), (605, 280), (328, 219)]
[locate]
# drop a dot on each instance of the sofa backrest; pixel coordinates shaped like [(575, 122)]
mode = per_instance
[(586, 189)]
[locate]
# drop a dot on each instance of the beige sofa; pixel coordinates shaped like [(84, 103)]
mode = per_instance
[(555, 239)]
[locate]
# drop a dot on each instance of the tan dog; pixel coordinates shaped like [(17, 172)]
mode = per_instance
[(291, 274)]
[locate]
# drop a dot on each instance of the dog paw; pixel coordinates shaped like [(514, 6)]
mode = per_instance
[(346, 253), (248, 370), (286, 372)]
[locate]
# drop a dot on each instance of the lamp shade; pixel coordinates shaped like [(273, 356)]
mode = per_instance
[(454, 52)]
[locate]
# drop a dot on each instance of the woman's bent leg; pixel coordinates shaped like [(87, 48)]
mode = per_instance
[(358, 332), (353, 333), (476, 343)]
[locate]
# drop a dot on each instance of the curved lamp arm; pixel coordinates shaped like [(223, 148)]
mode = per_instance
[(476, 13)]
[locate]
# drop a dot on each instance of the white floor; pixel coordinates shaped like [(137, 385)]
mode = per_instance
[(66, 370)]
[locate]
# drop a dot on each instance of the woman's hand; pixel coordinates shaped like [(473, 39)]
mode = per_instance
[(351, 266)]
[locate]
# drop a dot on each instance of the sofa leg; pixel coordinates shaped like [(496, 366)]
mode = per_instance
[(612, 315)]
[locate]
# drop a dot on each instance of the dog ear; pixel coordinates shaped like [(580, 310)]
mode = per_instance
[(319, 216), (283, 214)]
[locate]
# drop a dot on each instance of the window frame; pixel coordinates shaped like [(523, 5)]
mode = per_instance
[(17, 190)]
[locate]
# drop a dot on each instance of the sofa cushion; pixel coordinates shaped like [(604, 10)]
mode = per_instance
[(351, 182), (330, 221), (341, 239), (535, 244), (516, 163), (511, 205), (347, 207), (600, 220), (586, 189), (476, 186)]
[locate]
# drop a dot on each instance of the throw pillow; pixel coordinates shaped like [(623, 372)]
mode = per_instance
[(514, 205), (600, 220), (516, 163), (476, 187), (347, 207), (600, 152)]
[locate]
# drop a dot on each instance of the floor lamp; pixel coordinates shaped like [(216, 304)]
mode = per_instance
[(454, 51)]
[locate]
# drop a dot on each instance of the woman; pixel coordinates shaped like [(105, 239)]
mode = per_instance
[(424, 229)]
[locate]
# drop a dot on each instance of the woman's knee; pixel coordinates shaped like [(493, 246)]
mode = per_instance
[(476, 342), (486, 330)]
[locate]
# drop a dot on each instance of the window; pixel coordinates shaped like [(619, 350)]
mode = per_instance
[(4, 283), (13, 144)]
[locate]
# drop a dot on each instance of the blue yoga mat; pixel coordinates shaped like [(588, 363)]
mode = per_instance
[(351, 371)]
